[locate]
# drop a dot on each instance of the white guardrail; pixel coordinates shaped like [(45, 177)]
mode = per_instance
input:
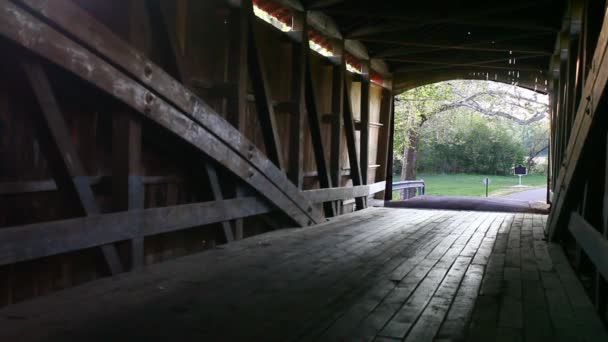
[(409, 184)]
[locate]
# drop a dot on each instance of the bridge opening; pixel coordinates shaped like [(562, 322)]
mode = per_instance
[(155, 153), (453, 137)]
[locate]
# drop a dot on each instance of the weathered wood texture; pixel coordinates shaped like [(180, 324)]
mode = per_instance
[(129, 73), (185, 115), (50, 238), (421, 275), (578, 145), (68, 169), (593, 243), (586, 113), (344, 193)]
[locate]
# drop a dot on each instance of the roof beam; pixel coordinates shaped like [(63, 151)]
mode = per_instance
[(321, 4), (430, 18), (432, 47), (372, 30), (437, 66), (451, 62)]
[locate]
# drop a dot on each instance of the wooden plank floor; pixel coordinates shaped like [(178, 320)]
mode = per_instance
[(377, 275)]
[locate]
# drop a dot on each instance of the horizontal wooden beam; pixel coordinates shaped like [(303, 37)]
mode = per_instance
[(23, 187), (335, 194), (370, 124), (500, 44), (591, 241), (39, 240), (425, 18), (372, 30), (95, 57)]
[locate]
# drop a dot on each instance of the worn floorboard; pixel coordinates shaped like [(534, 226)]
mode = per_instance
[(379, 274)]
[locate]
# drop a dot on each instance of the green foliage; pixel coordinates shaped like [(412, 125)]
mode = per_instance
[(469, 143), (471, 127), (414, 107)]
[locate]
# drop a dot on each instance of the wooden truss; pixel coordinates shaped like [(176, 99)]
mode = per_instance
[(54, 32)]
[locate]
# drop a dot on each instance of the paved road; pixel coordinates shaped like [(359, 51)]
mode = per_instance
[(539, 194)]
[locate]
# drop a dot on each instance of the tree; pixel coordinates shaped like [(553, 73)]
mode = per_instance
[(494, 100), (469, 143)]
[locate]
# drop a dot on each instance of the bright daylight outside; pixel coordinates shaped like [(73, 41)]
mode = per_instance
[(455, 134)]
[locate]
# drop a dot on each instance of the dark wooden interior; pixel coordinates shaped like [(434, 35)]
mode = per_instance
[(135, 132)]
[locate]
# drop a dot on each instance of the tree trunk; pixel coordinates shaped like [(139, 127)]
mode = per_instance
[(410, 158)]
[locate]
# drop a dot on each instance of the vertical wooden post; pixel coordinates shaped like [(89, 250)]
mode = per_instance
[(237, 73), (261, 91), (128, 190), (337, 107), (364, 110), (388, 190), (237, 67), (127, 185), (296, 136), (383, 138), (601, 285), (349, 130), (315, 127)]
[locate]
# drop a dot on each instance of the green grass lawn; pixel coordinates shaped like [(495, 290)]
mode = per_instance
[(471, 185)]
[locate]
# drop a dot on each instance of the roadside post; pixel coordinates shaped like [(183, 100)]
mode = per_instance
[(519, 171), (487, 182)]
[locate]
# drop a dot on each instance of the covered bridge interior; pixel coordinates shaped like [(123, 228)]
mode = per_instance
[(207, 170)]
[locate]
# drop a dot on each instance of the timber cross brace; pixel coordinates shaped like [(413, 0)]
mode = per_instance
[(141, 130), (171, 98)]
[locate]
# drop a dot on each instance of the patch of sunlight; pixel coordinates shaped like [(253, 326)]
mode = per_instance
[(352, 68), (319, 49), (267, 17)]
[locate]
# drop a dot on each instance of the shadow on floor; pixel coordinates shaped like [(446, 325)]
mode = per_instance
[(471, 203)]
